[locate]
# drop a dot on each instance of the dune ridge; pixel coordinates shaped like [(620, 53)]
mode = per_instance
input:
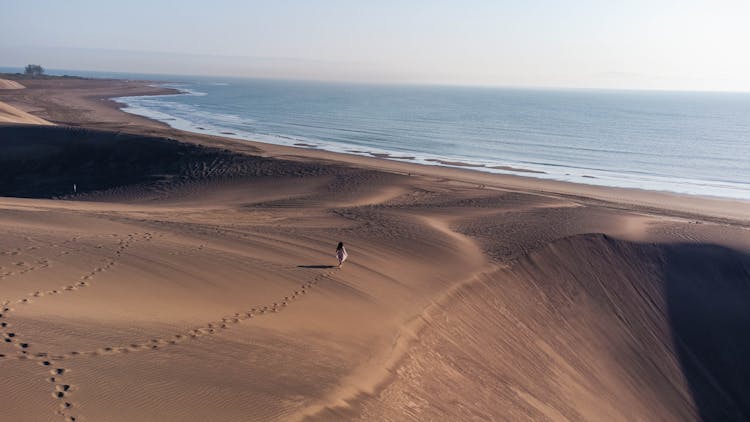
[(8, 84), (584, 341), (10, 114)]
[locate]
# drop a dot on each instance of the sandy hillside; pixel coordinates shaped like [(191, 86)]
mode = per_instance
[(183, 282), (10, 114), (8, 84)]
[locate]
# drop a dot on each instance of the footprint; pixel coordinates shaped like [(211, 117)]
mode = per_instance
[(62, 387), (156, 343)]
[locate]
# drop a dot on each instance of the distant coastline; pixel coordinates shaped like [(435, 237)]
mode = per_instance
[(94, 95), (202, 108)]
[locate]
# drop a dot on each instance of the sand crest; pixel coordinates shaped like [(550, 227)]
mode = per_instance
[(10, 114), (7, 84)]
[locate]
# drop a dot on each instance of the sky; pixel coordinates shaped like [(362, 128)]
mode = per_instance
[(624, 44)]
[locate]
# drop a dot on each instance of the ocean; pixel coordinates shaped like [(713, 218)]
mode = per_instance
[(686, 142)]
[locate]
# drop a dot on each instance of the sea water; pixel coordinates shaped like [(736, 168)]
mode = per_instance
[(687, 142)]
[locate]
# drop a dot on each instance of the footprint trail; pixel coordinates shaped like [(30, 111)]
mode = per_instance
[(63, 391)]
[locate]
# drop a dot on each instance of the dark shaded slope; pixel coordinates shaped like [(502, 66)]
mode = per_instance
[(45, 162), (708, 296)]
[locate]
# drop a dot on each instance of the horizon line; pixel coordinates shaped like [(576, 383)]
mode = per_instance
[(379, 83)]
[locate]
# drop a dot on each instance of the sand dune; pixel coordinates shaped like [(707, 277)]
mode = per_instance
[(590, 328), (10, 114), (183, 279), (195, 281), (8, 84)]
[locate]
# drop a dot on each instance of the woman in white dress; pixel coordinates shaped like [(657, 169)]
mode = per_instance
[(341, 254)]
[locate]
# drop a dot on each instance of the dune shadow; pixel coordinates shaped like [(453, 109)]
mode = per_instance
[(708, 299), (316, 266)]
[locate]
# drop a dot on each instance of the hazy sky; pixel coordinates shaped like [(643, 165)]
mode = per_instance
[(669, 44)]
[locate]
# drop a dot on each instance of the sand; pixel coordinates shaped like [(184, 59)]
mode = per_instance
[(190, 277), (10, 114), (8, 84)]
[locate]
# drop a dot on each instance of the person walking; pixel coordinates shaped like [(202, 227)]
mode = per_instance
[(341, 254)]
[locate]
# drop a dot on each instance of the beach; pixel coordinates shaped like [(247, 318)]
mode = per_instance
[(681, 142), (191, 277)]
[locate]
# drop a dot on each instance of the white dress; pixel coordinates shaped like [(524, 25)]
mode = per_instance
[(341, 255)]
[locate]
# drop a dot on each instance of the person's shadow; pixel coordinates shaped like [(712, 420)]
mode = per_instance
[(316, 266)]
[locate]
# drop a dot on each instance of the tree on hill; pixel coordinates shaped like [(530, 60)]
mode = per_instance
[(34, 70)]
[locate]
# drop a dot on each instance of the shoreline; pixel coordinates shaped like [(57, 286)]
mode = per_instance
[(678, 204), (103, 100), (547, 172)]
